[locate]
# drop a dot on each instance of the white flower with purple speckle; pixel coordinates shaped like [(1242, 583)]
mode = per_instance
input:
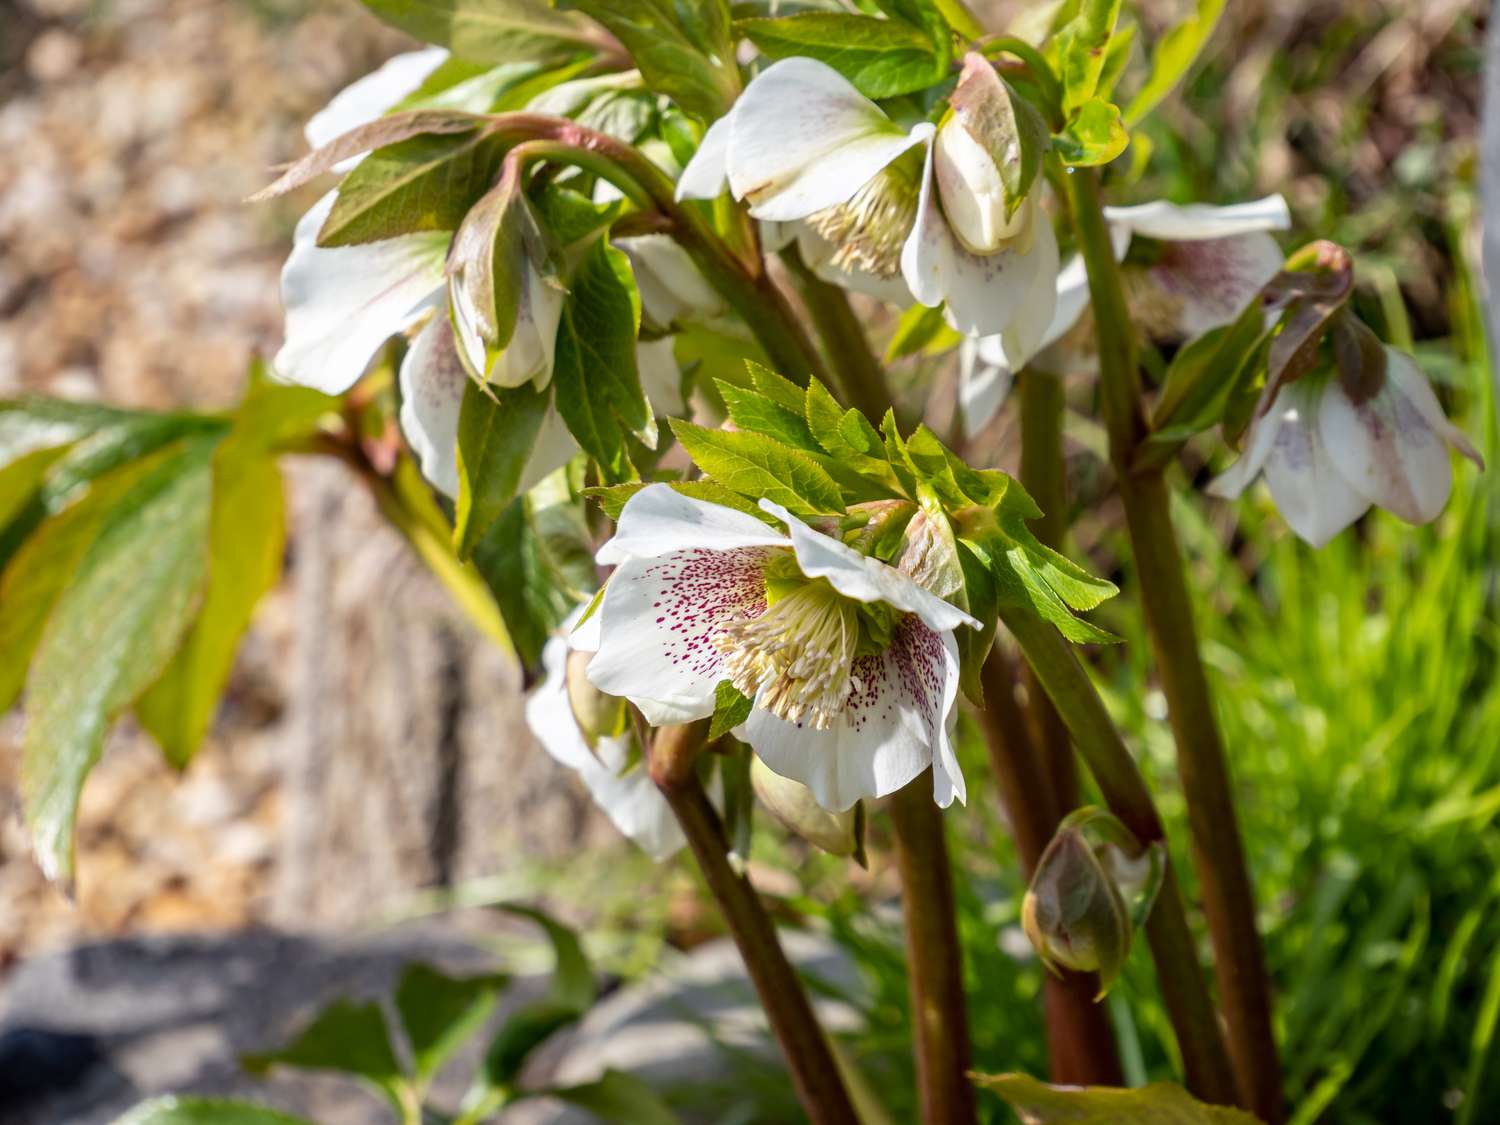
[(852, 667)]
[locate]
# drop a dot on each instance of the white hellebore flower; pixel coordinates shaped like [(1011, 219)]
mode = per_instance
[(925, 204), (1209, 263), (1328, 454), (852, 666), (627, 795)]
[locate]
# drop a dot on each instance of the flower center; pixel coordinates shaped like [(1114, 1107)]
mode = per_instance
[(868, 229), (801, 650)]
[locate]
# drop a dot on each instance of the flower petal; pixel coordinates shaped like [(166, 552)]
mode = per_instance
[(804, 139), (658, 623), (1032, 321), (671, 286), (658, 519), (363, 101), (432, 389), (983, 383), (1402, 368), (1209, 283), (661, 378), (1311, 494), (818, 252), (1174, 222), (342, 303), (1259, 443), (705, 176), (862, 578), (888, 732), (1385, 447), (630, 800), (554, 447)]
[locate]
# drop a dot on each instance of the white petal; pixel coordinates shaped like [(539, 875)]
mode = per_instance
[(368, 98), (1072, 299), (887, 733), (1259, 442), (1386, 448), (705, 176), (1311, 494), (658, 519), (671, 286), (529, 354), (658, 623), (982, 384), (983, 292), (432, 390), (1030, 324), (1212, 281), (805, 139), (1402, 368), (342, 303), (862, 578), (554, 447), (661, 378), (818, 252), (1178, 223), (631, 800)]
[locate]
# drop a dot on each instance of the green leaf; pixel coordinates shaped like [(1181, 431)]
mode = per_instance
[(881, 57), (682, 50), (28, 424), (425, 183), (247, 533), (112, 630), (982, 604), (1082, 49), (1160, 1103), (757, 466), (492, 31), (346, 1037), (755, 412), (598, 384), (1095, 135), (956, 484), (1175, 54), (532, 597), (618, 1097), (776, 386), (731, 708), (1018, 581), (612, 497), (921, 330), (1116, 57), (175, 1110), (497, 430), (440, 1012)]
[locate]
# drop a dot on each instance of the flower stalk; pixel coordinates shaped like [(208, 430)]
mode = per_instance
[(1218, 851), (814, 1070)]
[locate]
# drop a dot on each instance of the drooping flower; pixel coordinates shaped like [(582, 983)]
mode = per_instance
[(1203, 265), (851, 666), (925, 204), (1329, 450), (673, 291), (610, 768)]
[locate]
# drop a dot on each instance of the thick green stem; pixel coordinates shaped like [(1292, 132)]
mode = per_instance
[(934, 962), (1179, 975), (1080, 1041), (1043, 475), (815, 1072), (860, 375), (1219, 856)]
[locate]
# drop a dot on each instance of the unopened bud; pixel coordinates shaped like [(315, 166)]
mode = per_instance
[(929, 554), (597, 715), (973, 195), (792, 803)]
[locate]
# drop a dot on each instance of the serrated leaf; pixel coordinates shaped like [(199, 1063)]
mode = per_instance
[(491, 31), (440, 1012), (617, 1097), (425, 183), (881, 57), (776, 386), (731, 708), (682, 50), (497, 430), (612, 497), (955, 483), (113, 628), (1072, 583), (1095, 135), (1160, 1103), (1019, 582), (346, 1037), (1082, 48), (175, 1110), (598, 384), (247, 532), (1174, 56), (757, 466), (759, 414)]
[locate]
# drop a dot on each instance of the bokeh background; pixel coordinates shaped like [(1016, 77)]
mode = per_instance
[(369, 758)]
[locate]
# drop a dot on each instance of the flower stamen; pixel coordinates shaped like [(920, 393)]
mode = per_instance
[(868, 229), (801, 650)]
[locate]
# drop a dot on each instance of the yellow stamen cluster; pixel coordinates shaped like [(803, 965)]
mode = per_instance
[(801, 650), (867, 230)]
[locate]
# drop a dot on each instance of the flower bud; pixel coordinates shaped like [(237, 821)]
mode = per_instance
[(929, 554), (974, 197), (793, 804), (598, 715), (673, 291), (1073, 913)]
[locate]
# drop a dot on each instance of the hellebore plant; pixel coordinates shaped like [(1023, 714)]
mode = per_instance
[(555, 227)]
